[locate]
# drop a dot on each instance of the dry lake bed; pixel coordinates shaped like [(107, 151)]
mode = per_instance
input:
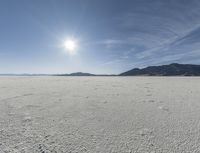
[(99, 114)]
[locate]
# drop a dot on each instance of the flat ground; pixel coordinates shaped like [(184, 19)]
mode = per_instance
[(100, 114)]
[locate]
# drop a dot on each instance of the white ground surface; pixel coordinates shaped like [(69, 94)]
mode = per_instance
[(100, 114)]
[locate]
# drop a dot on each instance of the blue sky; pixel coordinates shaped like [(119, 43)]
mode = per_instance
[(112, 35)]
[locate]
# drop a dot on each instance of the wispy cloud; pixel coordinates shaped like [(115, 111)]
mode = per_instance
[(160, 35), (111, 62)]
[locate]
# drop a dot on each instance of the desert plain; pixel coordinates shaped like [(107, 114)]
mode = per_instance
[(52, 114)]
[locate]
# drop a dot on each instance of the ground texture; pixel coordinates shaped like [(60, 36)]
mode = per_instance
[(99, 115)]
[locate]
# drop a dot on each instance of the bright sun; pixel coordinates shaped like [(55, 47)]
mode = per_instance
[(71, 46)]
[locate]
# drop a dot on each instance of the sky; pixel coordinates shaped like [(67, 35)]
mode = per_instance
[(111, 36)]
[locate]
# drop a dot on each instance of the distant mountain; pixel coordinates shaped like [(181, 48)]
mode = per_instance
[(81, 74), (78, 74), (173, 69), (85, 74)]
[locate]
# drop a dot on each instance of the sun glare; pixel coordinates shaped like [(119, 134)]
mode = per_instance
[(71, 46)]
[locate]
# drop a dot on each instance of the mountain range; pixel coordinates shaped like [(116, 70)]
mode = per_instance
[(173, 69)]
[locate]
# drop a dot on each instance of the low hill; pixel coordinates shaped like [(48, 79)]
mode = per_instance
[(78, 74)]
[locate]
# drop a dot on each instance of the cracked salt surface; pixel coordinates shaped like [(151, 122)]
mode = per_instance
[(99, 114)]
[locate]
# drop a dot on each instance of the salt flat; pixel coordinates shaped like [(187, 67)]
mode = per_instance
[(100, 114)]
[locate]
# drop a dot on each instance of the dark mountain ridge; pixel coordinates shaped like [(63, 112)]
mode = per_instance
[(173, 69)]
